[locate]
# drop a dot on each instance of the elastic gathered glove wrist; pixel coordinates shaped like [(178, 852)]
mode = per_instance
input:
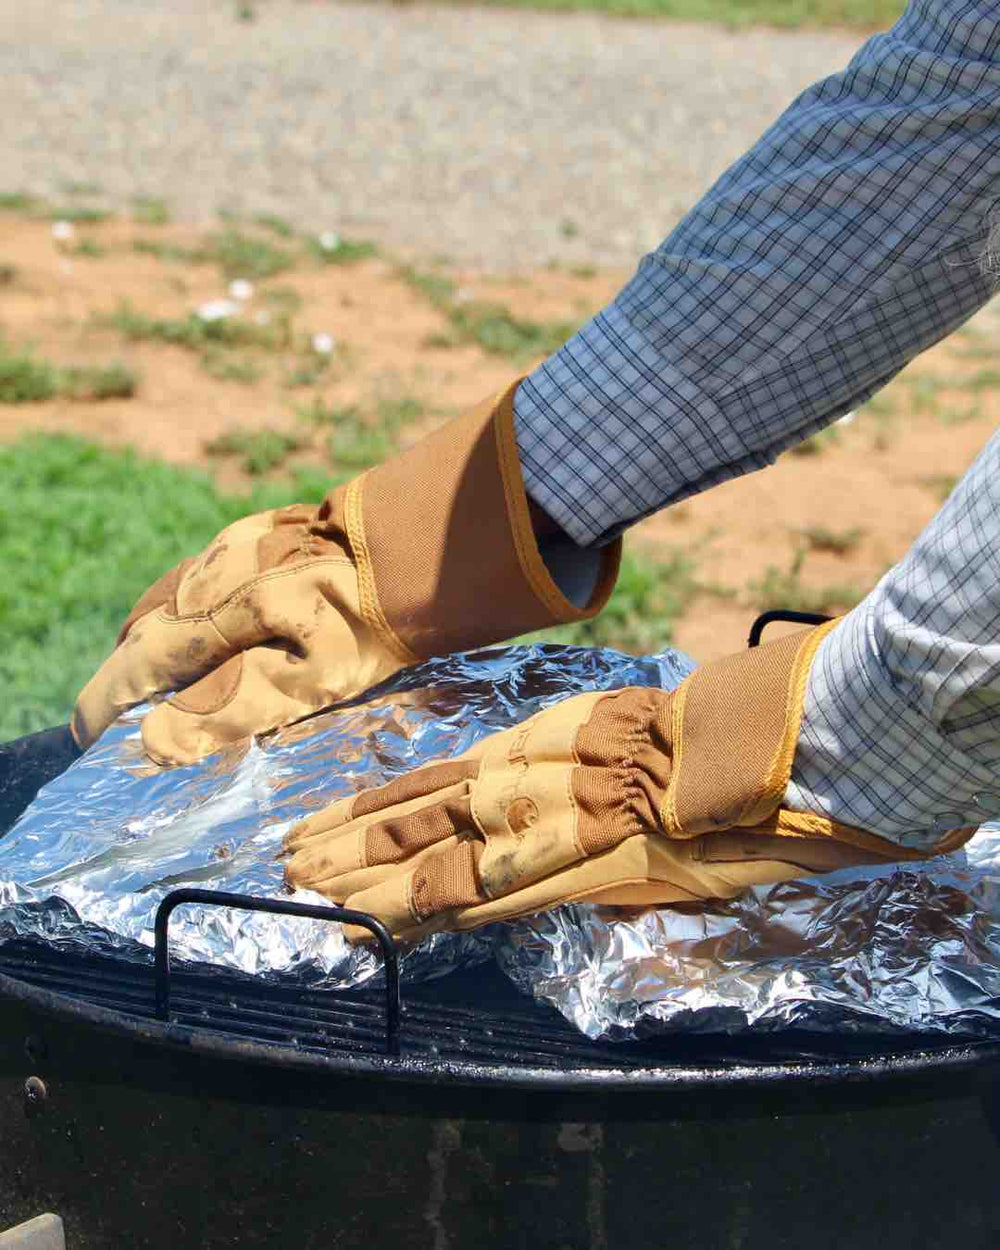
[(629, 798)]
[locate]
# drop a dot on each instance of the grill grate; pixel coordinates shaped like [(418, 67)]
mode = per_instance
[(471, 1017)]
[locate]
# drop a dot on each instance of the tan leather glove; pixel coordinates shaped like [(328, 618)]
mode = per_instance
[(290, 611), (632, 798)]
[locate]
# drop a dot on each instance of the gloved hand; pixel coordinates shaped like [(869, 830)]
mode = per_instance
[(290, 611), (631, 798)]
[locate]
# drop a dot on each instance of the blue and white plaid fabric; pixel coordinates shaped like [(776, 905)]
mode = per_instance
[(845, 242)]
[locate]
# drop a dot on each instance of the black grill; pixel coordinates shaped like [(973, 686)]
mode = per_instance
[(471, 1027)]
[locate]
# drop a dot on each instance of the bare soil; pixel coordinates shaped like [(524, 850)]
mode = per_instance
[(880, 475)]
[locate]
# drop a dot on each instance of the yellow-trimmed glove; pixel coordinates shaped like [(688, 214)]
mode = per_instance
[(637, 797), (290, 611)]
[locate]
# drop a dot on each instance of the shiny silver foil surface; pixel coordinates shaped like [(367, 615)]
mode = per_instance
[(912, 948), (100, 847), (865, 950)]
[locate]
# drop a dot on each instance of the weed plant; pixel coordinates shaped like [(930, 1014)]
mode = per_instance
[(240, 255), (343, 252), (784, 588), (489, 326), (260, 450), (865, 15), (25, 379)]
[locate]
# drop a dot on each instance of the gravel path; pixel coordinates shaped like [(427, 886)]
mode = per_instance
[(492, 137)]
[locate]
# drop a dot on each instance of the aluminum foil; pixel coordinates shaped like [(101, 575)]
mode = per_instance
[(95, 853), (879, 950), (863, 950)]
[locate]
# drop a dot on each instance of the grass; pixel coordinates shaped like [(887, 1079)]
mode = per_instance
[(859, 14), (225, 367), (837, 542), (235, 254), (277, 225), (241, 255), (340, 252), (784, 588), (83, 532), (80, 214), (88, 249), (25, 379), (260, 450), (16, 202), (490, 326), (150, 210), (195, 333), (942, 484), (170, 252)]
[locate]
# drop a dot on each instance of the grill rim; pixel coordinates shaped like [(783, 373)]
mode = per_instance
[(970, 1058)]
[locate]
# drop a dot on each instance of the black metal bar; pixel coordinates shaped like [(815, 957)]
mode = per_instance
[(243, 902), (782, 614)]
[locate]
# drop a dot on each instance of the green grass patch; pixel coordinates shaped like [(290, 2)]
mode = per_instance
[(25, 379), (490, 326), (737, 14), (333, 250), (942, 484), (83, 532), (87, 249), (277, 225), (259, 450), (80, 214), (82, 188), (224, 366), (784, 588), (195, 333), (150, 210), (241, 255), (17, 202), (836, 542), (170, 252), (356, 441)]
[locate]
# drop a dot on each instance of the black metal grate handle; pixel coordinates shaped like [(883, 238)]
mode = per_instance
[(783, 614), (243, 902)]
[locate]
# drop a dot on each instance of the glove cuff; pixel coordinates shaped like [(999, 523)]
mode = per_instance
[(446, 553)]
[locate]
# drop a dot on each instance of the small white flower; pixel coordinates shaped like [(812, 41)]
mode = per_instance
[(241, 289), (62, 231), (216, 309), (323, 344), (329, 241)]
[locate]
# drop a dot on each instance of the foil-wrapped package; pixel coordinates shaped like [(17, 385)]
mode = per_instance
[(871, 950), (100, 847)]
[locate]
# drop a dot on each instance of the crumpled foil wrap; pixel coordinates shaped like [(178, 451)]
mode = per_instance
[(913, 948), (99, 848)]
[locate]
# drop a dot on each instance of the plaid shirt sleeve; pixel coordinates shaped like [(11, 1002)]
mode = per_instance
[(841, 245), (901, 725), (844, 243)]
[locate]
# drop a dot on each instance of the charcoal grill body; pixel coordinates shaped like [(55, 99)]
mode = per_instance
[(258, 1117)]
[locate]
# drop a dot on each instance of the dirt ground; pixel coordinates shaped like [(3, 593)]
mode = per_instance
[(850, 506)]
